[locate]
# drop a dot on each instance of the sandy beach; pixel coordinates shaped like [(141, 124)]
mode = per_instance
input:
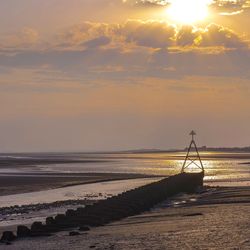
[(216, 219)]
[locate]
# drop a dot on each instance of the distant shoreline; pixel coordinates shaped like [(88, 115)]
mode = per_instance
[(135, 151)]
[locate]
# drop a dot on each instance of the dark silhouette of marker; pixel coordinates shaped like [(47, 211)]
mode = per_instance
[(193, 158)]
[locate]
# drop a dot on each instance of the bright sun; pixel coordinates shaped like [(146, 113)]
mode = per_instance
[(188, 11)]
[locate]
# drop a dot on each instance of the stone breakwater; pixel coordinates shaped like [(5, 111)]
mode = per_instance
[(126, 204)]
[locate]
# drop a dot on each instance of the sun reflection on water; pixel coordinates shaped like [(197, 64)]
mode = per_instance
[(219, 166)]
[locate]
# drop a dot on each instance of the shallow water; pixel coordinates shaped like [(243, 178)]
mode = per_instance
[(87, 191), (219, 167)]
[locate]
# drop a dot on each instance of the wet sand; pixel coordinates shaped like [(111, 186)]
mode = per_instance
[(25, 173), (216, 219), (29, 182), (37, 206)]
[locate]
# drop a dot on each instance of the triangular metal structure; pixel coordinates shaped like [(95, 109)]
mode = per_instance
[(192, 158)]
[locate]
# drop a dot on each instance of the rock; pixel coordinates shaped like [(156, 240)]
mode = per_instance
[(50, 221), (23, 231), (8, 236), (60, 218), (64, 222), (70, 212), (80, 210), (37, 227), (84, 229), (193, 214), (39, 230), (51, 228), (74, 233)]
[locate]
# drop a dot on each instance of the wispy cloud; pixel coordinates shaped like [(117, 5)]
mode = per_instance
[(26, 38)]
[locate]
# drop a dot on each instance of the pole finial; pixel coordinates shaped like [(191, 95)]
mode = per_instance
[(192, 133)]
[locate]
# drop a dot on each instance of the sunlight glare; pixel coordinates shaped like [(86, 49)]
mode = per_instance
[(188, 11)]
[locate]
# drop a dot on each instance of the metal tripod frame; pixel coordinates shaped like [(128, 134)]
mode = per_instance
[(192, 158)]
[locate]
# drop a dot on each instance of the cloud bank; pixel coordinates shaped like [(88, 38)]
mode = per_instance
[(90, 53), (152, 34)]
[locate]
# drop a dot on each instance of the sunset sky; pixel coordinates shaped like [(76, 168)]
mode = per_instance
[(115, 74)]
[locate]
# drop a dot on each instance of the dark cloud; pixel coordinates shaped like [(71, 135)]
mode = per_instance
[(231, 63), (87, 31), (149, 34), (107, 64), (97, 42), (186, 36), (147, 3), (152, 34), (215, 35)]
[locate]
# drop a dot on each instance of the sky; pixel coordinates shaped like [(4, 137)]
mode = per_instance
[(93, 75)]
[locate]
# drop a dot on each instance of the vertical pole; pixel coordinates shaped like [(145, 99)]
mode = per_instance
[(202, 168), (184, 164)]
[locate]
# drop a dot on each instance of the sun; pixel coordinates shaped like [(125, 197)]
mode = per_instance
[(188, 11)]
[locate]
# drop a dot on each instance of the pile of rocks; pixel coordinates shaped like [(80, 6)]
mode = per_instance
[(126, 204), (24, 209)]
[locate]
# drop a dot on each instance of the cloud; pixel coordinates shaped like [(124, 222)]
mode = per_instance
[(230, 7), (215, 35), (186, 36), (147, 3), (151, 34), (27, 37), (133, 34), (89, 52), (85, 32), (97, 42), (92, 66), (211, 36), (223, 7)]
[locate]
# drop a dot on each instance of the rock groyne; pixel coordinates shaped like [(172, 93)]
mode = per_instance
[(132, 202)]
